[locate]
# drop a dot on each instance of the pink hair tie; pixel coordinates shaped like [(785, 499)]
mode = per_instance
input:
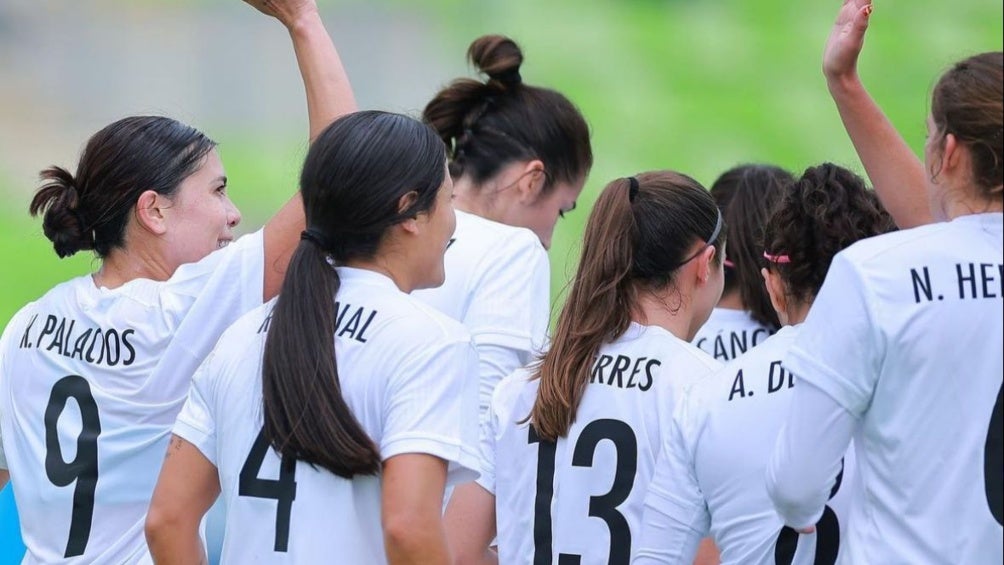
[(728, 263), (776, 258)]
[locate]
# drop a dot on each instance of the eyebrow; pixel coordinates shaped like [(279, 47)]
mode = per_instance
[(222, 178)]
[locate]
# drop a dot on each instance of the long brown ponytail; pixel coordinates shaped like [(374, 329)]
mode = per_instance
[(638, 234)]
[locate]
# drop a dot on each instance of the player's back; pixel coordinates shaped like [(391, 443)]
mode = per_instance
[(583, 494), (91, 380), (400, 367), (925, 380), (729, 426)]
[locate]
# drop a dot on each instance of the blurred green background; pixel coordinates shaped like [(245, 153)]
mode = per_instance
[(693, 85)]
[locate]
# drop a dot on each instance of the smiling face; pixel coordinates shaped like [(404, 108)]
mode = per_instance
[(438, 225), (201, 217)]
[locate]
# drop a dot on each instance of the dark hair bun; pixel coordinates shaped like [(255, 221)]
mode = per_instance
[(498, 57), (58, 199)]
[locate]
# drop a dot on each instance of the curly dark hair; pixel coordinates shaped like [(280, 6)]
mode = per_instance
[(824, 211)]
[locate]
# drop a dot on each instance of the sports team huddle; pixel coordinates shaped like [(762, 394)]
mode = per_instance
[(781, 368)]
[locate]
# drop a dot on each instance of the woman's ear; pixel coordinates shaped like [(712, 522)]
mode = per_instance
[(406, 201), (706, 263), (775, 289), (151, 212), (531, 181)]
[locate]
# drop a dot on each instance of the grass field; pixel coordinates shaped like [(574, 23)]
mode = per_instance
[(696, 86)]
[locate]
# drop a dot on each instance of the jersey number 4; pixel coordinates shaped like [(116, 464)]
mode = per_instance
[(283, 490), (603, 507), (84, 467)]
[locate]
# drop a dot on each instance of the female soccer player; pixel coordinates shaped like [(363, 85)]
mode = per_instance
[(743, 318), (333, 417), (93, 373), (519, 155), (709, 478), (569, 444), (902, 346)]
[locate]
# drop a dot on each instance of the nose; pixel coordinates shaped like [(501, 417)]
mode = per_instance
[(233, 214)]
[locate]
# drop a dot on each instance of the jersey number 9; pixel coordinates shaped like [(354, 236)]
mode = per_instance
[(84, 467)]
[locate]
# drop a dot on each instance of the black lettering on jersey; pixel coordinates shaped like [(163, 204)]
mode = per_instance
[(988, 280), (50, 326), (738, 387), (362, 332), (738, 343), (700, 343), (720, 351), (968, 277), (92, 345), (639, 372), (80, 345), (265, 324), (989, 287), (649, 379), (777, 377), (125, 342), (59, 336), (25, 343), (351, 327), (921, 284), (759, 335), (96, 339), (622, 363), (112, 345), (598, 367)]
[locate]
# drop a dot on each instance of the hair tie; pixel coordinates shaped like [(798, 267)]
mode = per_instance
[(776, 258), (509, 77), (316, 237), (632, 188)]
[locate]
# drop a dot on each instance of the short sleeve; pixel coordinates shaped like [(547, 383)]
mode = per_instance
[(840, 348), (486, 448), (676, 514), (511, 303), (196, 422), (211, 294), (431, 408)]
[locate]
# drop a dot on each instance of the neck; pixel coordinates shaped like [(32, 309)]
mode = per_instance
[(797, 312), (126, 264), (731, 301), (385, 267), (968, 206), (470, 198), (673, 315)]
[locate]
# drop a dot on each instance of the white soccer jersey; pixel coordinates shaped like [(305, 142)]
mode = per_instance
[(91, 381), (729, 333), (582, 496), (709, 475), (405, 372), (906, 336), (498, 285)]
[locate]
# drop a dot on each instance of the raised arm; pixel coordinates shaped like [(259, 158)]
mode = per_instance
[(329, 95), (895, 171)]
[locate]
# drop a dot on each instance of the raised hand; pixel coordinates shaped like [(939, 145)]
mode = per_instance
[(286, 11), (840, 56)]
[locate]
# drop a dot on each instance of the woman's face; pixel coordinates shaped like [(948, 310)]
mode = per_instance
[(438, 226), (542, 215), (201, 216)]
